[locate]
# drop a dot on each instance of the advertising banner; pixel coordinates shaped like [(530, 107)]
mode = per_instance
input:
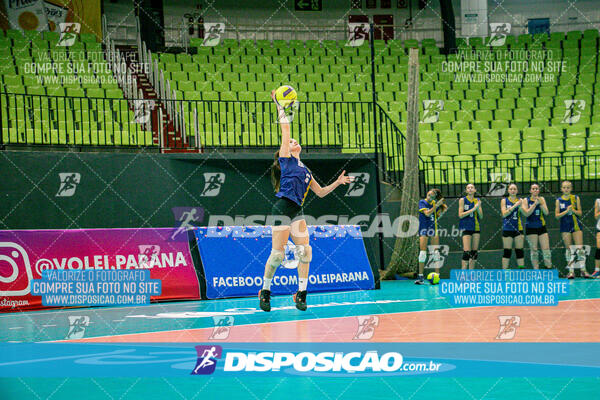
[(26, 15), (26, 254), (233, 259)]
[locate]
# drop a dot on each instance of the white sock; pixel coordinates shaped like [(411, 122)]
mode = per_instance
[(267, 283), (303, 282)]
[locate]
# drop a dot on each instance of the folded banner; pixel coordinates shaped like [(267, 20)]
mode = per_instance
[(25, 254), (234, 257)]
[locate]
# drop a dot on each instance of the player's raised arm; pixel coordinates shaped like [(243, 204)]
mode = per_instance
[(343, 179), (284, 149)]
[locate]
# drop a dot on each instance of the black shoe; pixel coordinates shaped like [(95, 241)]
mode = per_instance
[(264, 296), (420, 281), (300, 300)]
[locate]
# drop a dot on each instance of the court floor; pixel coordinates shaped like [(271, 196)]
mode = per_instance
[(399, 312)]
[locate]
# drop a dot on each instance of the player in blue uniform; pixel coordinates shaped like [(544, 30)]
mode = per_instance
[(470, 214), (292, 180), (534, 208), (596, 273), (568, 211), (431, 209), (512, 227)]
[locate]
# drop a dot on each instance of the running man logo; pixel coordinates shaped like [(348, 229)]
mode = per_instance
[(499, 183), (573, 110), (223, 324), (431, 111), (577, 255), (68, 183), (366, 327), (142, 110), (207, 359), (77, 326), (147, 252), (437, 256), (184, 216), (357, 34), (212, 183), (357, 187), (508, 326), (292, 258), (212, 33), (499, 32), (68, 33)]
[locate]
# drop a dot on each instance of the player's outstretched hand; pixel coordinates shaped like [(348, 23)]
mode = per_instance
[(344, 179), (273, 94)]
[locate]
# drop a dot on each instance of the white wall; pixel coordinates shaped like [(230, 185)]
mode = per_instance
[(273, 19)]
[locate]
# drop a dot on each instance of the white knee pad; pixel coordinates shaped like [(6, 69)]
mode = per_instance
[(534, 256), (580, 254), (304, 252), (276, 258), (568, 255), (580, 257), (547, 254), (422, 256)]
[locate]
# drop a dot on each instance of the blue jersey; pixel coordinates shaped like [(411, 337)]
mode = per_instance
[(295, 180), (471, 222), (512, 222), (427, 224), (536, 219), (568, 223)]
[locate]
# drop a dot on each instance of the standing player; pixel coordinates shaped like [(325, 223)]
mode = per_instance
[(430, 209), (596, 273), (534, 208), (470, 213), (291, 179), (568, 211), (512, 228)]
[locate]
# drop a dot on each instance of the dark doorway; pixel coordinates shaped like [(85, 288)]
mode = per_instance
[(383, 25)]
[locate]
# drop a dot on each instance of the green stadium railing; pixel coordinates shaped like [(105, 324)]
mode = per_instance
[(59, 121), (492, 174)]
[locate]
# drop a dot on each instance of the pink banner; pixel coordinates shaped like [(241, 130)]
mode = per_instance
[(25, 254)]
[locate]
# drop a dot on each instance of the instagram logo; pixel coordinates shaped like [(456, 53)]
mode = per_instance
[(14, 266)]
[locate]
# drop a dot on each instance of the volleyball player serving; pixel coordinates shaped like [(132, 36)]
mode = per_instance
[(292, 180)]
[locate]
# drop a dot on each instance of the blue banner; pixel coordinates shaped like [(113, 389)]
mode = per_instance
[(355, 360), (234, 257)]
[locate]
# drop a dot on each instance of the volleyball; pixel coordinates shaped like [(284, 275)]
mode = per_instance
[(433, 278), (286, 96)]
